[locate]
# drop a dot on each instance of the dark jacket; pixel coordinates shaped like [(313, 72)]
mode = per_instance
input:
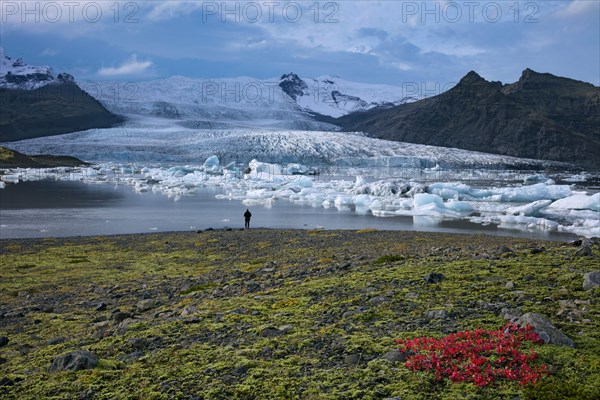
[(247, 214)]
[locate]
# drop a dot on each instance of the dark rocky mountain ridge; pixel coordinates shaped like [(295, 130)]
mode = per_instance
[(34, 102), (540, 116)]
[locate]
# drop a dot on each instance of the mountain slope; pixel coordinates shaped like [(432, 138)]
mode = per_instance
[(334, 97), (36, 103), (540, 116)]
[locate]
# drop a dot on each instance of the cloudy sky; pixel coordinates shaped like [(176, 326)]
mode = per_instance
[(392, 42)]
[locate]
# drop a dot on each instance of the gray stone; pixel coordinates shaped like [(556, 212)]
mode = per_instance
[(189, 311), (437, 314), (145, 305), (74, 361), (121, 316), (585, 250), (434, 277), (56, 341), (101, 307), (511, 314), (351, 359), (394, 356), (591, 280), (3, 341), (510, 285), (270, 332), (547, 331), (379, 300)]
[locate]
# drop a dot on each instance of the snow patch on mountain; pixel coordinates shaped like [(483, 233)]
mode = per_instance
[(16, 74), (333, 96)]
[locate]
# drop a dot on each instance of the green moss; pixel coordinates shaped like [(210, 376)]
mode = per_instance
[(221, 351)]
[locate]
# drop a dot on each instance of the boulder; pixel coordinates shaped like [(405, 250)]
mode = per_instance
[(548, 332), (434, 278), (591, 280), (74, 361)]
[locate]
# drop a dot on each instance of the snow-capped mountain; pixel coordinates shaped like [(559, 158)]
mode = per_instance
[(288, 102), (16, 74), (207, 103), (333, 96)]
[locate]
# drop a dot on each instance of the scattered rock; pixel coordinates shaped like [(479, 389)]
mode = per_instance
[(121, 316), (189, 311), (437, 314), (270, 332), (101, 307), (510, 285), (537, 250), (147, 304), (56, 341), (6, 382), (379, 300), (351, 359), (585, 250), (411, 295), (434, 277), (504, 249), (3, 341), (394, 356), (591, 280), (74, 361), (511, 314), (548, 332), (285, 329), (132, 356), (14, 314)]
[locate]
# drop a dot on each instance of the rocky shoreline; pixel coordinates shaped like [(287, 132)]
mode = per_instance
[(269, 314)]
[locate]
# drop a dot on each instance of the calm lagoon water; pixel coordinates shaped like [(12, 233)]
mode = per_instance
[(59, 208)]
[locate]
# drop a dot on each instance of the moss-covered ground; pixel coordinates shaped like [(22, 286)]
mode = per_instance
[(267, 314)]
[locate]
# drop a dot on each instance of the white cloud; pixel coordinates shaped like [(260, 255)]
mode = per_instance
[(49, 52), (580, 7), (130, 67), (174, 8)]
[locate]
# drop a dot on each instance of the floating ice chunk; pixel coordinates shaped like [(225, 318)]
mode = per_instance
[(528, 209), (211, 164), (538, 178), (458, 191), (578, 202), (460, 206), (258, 167), (423, 199), (10, 178), (539, 191), (578, 178), (267, 203), (342, 200), (510, 221), (296, 169), (299, 184), (384, 188), (179, 171), (2, 185)]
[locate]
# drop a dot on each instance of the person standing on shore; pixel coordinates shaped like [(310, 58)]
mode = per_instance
[(247, 216)]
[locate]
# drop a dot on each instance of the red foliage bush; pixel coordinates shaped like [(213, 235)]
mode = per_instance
[(477, 356)]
